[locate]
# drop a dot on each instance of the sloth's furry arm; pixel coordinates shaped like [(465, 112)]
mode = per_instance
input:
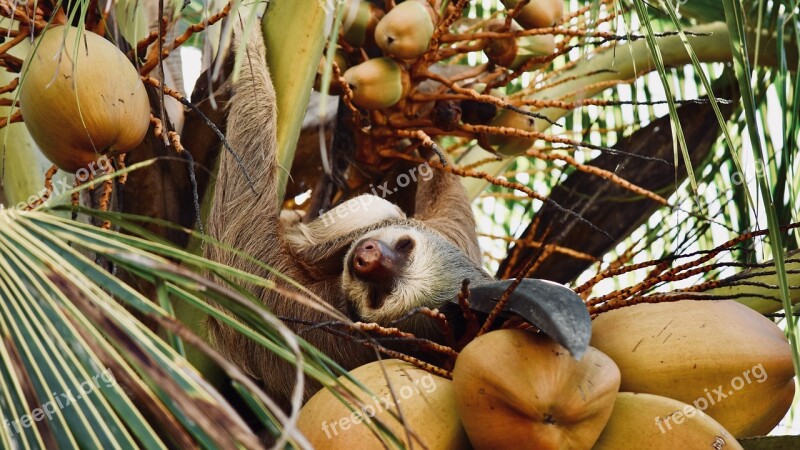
[(443, 205), (251, 133), (248, 218)]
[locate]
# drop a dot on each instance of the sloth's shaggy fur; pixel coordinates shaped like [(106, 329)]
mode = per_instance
[(445, 248)]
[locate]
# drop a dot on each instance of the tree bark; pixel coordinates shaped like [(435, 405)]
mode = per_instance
[(609, 207)]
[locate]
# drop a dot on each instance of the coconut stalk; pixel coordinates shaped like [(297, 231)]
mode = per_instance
[(294, 33), (758, 288), (623, 62)]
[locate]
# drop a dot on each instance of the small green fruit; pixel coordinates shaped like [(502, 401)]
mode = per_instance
[(538, 13), (513, 52), (359, 22), (334, 88), (377, 83), (511, 145), (405, 32)]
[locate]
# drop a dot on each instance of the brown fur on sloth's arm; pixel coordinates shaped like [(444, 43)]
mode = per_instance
[(443, 205), (251, 131), (250, 221), (312, 256)]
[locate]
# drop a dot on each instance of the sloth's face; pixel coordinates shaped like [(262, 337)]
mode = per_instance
[(391, 271)]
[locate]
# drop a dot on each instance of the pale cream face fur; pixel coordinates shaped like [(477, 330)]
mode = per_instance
[(411, 289), (432, 275), (433, 272)]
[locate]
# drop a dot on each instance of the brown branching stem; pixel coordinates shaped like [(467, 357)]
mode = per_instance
[(10, 86), (474, 95), (179, 97), (604, 174), (661, 273), (48, 188), (15, 117), (153, 58), (158, 126), (378, 330), (535, 244)]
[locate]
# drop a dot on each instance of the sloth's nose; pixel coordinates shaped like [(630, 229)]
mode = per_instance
[(375, 262)]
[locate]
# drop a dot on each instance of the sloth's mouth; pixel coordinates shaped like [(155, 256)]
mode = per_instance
[(377, 297)]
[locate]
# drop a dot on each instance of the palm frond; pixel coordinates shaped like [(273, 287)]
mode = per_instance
[(67, 323)]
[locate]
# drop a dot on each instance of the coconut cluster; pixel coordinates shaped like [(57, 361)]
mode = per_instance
[(676, 375), (396, 39)]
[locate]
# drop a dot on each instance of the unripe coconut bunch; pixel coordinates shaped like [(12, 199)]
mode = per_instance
[(402, 35), (385, 55), (80, 98)]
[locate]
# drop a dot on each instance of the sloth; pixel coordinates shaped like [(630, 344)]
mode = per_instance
[(365, 257)]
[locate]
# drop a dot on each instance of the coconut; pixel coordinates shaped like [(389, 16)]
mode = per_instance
[(334, 88), (405, 32), (720, 356), (660, 423), (359, 22), (425, 401), (377, 83), (538, 13), (512, 145), (80, 98), (513, 52), (516, 389)]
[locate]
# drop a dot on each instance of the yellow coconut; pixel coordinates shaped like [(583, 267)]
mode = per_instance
[(425, 400), (512, 145), (516, 389), (513, 52), (377, 83), (359, 22), (720, 356), (405, 32), (81, 97), (652, 422), (538, 13)]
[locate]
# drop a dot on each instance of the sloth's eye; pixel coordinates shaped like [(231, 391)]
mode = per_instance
[(404, 245)]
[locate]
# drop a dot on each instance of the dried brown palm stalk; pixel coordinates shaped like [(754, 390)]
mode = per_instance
[(667, 270)]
